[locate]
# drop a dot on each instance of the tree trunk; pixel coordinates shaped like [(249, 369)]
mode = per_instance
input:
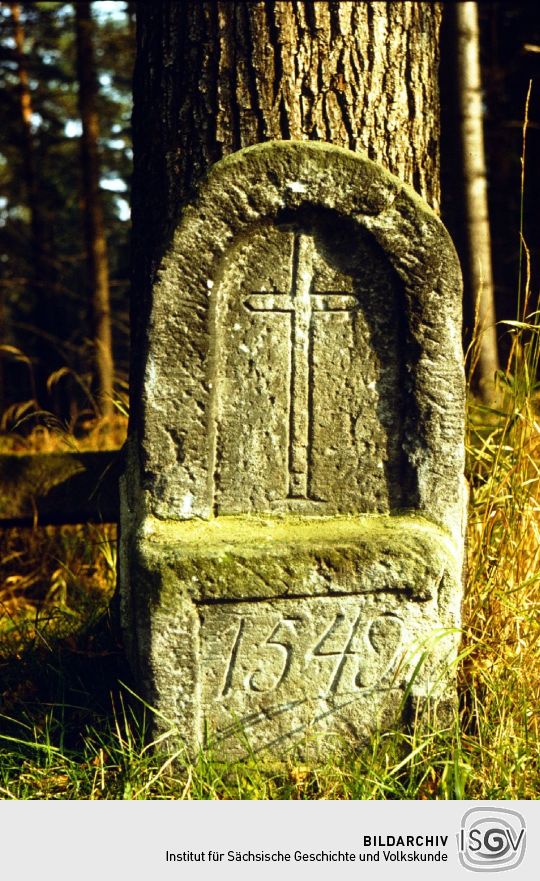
[(96, 246), (213, 77), (478, 277), (42, 273), (29, 158)]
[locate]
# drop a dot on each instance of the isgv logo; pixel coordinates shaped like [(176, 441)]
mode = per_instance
[(491, 840)]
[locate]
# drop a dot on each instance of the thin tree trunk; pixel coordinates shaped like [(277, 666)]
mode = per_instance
[(93, 215), (42, 270), (213, 77), (29, 158), (479, 276)]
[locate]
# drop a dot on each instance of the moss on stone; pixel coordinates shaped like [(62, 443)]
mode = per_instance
[(288, 528), (254, 557)]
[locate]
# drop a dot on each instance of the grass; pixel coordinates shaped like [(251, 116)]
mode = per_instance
[(72, 727), (55, 582), (500, 676)]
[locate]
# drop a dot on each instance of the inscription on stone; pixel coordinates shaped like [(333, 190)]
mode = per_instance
[(310, 655), (301, 302), (309, 347), (341, 641)]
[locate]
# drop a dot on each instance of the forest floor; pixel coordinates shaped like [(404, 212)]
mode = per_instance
[(72, 726)]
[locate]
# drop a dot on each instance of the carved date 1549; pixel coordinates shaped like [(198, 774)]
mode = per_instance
[(264, 664)]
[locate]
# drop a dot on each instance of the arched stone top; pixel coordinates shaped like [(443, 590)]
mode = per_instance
[(364, 286)]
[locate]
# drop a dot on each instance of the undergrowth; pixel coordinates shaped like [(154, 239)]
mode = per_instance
[(72, 727)]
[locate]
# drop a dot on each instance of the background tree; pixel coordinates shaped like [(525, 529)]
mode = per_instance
[(510, 57), (41, 271), (212, 77), (50, 325), (478, 275), (507, 31), (37, 226), (96, 245)]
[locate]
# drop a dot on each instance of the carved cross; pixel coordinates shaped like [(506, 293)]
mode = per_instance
[(301, 303)]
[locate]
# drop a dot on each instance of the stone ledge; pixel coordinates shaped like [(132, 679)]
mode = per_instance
[(242, 558)]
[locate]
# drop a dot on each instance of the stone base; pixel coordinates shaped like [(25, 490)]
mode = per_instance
[(258, 634)]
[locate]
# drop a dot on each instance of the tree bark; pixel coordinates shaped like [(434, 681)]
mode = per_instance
[(42, 272), (29, 158), (213, 77), (478, 276), (28, 150), (96, 246)]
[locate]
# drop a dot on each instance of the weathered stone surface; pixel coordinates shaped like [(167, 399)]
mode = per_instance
[(303, 368), (295, 624)]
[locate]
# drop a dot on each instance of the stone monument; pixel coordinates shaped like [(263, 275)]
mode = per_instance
[(293, 505)]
